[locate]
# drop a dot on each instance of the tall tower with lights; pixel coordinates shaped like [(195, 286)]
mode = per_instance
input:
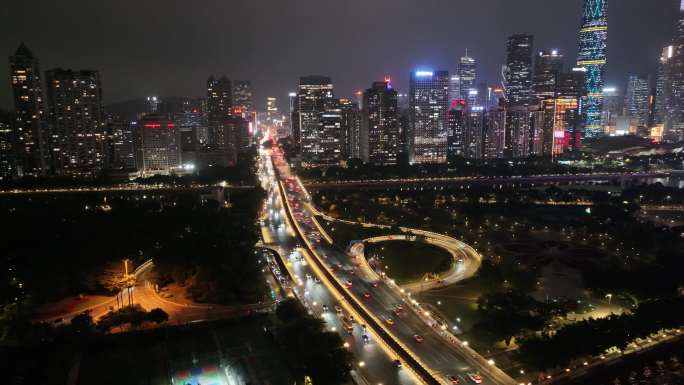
[(593, 38)]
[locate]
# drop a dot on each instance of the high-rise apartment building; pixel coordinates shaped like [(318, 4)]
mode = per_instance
[(548, 64), (121, 143), (354, 141), (593, 38), (30, 125), (429, 104), (380, 120), (518, 70), (7, 154), (77, 124), (456, 122)]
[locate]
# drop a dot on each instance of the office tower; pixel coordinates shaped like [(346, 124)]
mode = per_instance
[(637, 103), (271, 109), (157, 146), (563, 120), (153, 104), (548, 64), (467, 76), (495, 96), (242, 97), (77, 124), (219, 104), (517, 72), (456, 123), (380, 120), (454, 88), (494, 133), (429, 103), (121, 142), (405, 134), (354, 142), (613, 121), (189, 124), (316, 141), (29, 115), (520, 131), (593, 37), (671, 85), (7, 164), (537, 137), (663, 86)]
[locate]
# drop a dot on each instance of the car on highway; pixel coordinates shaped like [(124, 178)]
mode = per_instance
[(418, 338), (338, 309), (389, 321), (348, 283), (366, 295), (474, 377), (366, 339), (397, 364), (375, 284), (453, 379)]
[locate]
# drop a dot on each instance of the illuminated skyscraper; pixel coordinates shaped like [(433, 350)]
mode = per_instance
[(380, 121), (672, 87), (157, 146), (30, 121), (271, 109), (7, 164), (517, 72), (467, 76), (317, 122), (219, 104), (593, 37), (637, 102), (429, 103), (77, 124), (242, 96), (548, 64)]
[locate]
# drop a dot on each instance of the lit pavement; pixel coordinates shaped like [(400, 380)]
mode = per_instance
[(441, 354)]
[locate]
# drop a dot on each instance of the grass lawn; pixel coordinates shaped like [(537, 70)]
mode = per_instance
[(409, 261)]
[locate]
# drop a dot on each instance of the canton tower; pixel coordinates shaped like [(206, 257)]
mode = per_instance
[(593, 36)]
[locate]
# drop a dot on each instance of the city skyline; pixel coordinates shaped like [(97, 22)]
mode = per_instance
[(352, 65)]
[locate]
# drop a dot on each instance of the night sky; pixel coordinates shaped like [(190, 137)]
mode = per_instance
[(169, 47)]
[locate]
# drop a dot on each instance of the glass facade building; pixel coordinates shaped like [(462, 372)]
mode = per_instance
[(593, 37)]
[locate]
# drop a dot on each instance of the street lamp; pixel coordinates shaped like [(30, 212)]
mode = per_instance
[(610, 297)]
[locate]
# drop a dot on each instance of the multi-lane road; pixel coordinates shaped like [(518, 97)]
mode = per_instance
[(395, 323)]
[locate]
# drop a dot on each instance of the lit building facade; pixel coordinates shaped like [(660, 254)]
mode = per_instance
[(7, 155), (517, 72), (381, 121), (77, 124), (30, 125), (593, 38), (548, 64), (158, 146), (318, 141), (637, 103), (467, 76), (242, 97), (121, 142), (219, 104), (429, 104)]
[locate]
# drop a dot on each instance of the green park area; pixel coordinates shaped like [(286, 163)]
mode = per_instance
[(409, 261)]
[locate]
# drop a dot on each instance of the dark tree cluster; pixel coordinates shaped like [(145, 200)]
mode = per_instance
[(309, 349), (592, 337)]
